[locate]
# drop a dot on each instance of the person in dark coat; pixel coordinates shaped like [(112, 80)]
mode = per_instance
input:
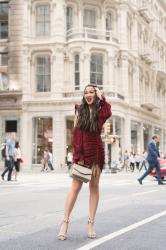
[(153, 160), (88, 149)]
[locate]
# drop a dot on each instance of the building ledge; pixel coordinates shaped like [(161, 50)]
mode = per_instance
[(150, 106), (10, 100)]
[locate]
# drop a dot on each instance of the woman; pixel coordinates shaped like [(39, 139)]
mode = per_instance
[(17, 159), (88, 149)]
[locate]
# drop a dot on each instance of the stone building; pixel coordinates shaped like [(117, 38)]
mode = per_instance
[(49, 51)]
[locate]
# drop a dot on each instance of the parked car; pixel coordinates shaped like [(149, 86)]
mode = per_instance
[(163, 170)]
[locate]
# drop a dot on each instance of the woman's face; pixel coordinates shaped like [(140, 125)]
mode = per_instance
[(89, 94)]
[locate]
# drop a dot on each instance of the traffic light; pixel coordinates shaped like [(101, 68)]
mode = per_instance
[(107, 128)]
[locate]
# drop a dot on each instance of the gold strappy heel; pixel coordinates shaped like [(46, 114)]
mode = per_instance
[(63, 236), (91, 235)]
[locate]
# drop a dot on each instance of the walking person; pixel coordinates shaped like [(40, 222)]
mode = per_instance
[(137, 160), (144, 162), (87, 148), (17, 159), (126, 160), (50, 160), (153, 160), (10, 145), (132, 162), (45, 160)]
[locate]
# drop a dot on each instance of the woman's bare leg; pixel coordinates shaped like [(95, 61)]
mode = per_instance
[(70, 201), (93, 202)]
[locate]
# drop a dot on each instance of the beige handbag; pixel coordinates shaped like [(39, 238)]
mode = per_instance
[(81, 173)]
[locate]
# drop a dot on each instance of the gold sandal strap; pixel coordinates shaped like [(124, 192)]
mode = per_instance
[(66, 221), (91, 221)]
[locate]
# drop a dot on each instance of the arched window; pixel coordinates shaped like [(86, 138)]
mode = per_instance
[(43, 73), (69, 18), (109, 21), (77, 71), (96, 69), (43, 20)]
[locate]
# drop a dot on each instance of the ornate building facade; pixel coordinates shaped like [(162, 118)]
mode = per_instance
[(51, 49)]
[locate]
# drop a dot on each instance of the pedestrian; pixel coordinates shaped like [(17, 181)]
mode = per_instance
[(10, 145), (153, 160), (69, 159), (126, 160), (132, 162), (17, 160), (45, 160), (88, 149), (144, 162), (50, 160), (137, 160)]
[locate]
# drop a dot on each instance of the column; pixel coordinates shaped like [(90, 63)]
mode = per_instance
[(136, 90), (60, 25), (26, 134), (86, 79), (141, 138), (125, 76), (59, 140), (80, 18), (111, 73), (162, 141), (58, 72), (16, 49), (123, 27), (127, 134)]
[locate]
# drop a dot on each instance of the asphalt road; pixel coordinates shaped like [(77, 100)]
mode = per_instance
[(129, 217)]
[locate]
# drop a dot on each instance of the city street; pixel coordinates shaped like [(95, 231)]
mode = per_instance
[(130, 216)]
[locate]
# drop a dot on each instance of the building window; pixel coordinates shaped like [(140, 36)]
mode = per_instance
[(96, 69), (3, 59), (11, 126), (89, 19), (42, 137), (4, 81), (109, 21), (3, 20), (77, 71), (43, 73), (43, 20), (69, 18)]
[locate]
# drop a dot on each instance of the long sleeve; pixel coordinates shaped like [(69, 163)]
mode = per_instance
[(105, 111)]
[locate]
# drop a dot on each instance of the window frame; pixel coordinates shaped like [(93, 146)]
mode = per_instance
[(44, 22), (77, 72), (96, 72), (5, 21), (48, 90)]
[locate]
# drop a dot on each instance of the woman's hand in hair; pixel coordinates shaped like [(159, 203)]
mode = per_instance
[(98, 93)]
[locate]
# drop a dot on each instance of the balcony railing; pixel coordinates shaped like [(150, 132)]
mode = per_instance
[(88, 33), (112, 95)]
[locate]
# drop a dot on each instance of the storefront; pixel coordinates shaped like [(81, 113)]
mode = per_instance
[(42, 137)]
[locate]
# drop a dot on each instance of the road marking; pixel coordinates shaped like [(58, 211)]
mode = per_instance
[(147, 192), (131, 195), (121, 231)]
